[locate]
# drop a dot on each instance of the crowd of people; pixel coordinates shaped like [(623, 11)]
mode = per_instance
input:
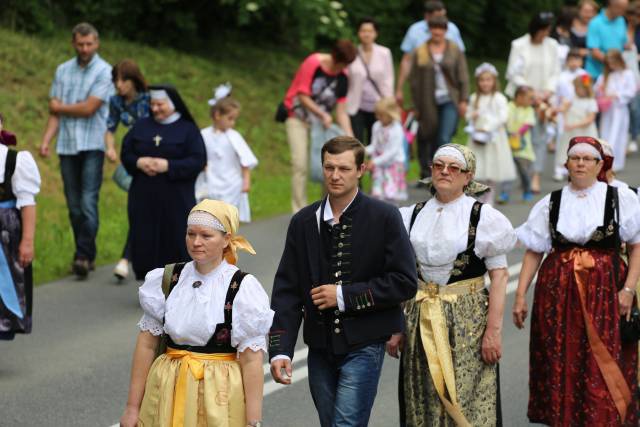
[(415, 288)]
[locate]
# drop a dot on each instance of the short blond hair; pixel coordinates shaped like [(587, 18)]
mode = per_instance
[(388, 106)]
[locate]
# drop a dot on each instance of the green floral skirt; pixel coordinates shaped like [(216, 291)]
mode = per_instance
[(477, 384)]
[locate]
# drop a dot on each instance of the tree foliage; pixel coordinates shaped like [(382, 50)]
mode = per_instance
[(486, 25)]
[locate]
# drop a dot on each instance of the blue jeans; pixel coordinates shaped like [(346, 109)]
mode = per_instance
[(82, 178), (447, 126), (344, 387)]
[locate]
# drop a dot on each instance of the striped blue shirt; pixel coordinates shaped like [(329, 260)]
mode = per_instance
[(73, 84)]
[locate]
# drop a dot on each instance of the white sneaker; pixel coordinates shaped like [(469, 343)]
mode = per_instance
[(632, 147), (122, 269)]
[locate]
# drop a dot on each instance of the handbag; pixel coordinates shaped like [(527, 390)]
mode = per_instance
[(281, 113), (604, 102), (122, 178), (630, 329)]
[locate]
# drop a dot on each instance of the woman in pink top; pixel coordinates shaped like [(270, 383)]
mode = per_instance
[(370, 79)]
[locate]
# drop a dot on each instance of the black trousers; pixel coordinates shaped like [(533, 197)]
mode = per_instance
[(361, 123)]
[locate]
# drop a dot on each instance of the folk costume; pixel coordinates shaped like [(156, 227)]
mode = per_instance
[(159, 204), (444, 381), (580, 371), (367, 255), (19, 184), (208, 319)]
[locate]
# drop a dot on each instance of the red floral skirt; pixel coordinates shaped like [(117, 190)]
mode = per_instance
[(566, 385)]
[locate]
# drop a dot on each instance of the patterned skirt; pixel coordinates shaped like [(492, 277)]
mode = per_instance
[(16, 296), (216, 399), (389, 182), (477, 385), (566, 385)]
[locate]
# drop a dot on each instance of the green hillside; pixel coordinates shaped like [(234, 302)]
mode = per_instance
[(259, 79)]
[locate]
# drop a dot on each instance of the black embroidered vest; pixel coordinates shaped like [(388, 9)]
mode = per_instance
[(220, 342), (6, 192), (604, 237), (467, 264)]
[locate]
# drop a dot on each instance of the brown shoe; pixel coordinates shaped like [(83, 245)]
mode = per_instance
[(81, 268)]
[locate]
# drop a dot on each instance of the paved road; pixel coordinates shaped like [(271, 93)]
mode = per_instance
[(73, 369)]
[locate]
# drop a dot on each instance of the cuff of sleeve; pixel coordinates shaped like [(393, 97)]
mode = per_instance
[(495, 262), (280, 357), (25, 199), (634, 240), (255, 344), (149, 324), (340, 298)]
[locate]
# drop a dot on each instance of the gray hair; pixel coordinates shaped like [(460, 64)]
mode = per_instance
[(84, 29)]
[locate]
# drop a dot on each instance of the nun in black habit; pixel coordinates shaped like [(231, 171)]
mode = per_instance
[(164, 153)]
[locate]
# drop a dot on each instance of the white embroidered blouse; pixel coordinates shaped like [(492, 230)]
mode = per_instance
[(192, 314), (581, 212), (441, 230), (25, 182)]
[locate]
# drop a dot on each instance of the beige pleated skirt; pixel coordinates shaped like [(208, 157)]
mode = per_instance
[(189, 389)]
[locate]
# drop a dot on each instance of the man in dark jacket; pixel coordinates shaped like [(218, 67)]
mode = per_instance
[(346, 267)]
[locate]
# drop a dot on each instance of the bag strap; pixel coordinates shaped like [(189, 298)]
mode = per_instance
[(366, 67), (616, 215)]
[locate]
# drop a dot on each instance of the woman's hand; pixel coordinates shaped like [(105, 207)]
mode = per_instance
[(327, 120), (129, 417), (160, 165), (25, 252), (519, 311), (145, 164), (491, 345), (626, 302), (395, 345)]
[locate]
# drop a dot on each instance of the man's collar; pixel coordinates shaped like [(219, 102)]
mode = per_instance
[(328, 212)]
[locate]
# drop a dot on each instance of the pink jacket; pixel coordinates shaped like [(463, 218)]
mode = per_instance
[(381, 70)]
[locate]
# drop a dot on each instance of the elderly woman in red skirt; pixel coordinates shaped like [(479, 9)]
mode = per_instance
[(581, 373)]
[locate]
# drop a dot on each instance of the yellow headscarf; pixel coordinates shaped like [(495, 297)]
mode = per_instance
[(228, 217)]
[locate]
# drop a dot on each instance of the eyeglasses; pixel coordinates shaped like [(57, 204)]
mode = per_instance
[(586, 159), (452, 168)]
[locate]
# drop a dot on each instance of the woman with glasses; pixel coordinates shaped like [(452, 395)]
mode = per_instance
[(454, 324), (580, 371)]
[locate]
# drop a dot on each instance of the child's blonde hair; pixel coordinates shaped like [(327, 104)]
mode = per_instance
[(225, 106), (583, 82), (612, 55), (389, 107)]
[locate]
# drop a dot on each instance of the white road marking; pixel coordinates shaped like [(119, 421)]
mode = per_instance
[(301, 372)]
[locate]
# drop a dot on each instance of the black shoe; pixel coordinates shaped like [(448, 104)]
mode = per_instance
[(92, 265), (81, 268)]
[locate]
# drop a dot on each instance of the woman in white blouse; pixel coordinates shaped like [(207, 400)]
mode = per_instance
[(215, 320), (370, 79), (19, 185), (581, 373), (454, 325)]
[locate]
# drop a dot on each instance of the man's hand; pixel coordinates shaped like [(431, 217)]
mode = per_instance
[(324, 296), (395, 345), (276, 371), (462, 108), (327, 120), (400, 97), (54, 105)]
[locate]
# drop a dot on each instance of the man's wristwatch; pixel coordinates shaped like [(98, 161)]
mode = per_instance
[(257, 423)]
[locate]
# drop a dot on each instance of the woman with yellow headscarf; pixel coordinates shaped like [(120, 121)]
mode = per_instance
[(214, 320)]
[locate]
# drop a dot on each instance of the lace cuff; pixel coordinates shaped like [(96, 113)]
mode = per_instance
[(255, 344), (149, 324)]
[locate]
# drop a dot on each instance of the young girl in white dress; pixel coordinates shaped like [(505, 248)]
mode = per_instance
[(579, 120), (487, 116), (618, 85), (227, 176), (387, 153)]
